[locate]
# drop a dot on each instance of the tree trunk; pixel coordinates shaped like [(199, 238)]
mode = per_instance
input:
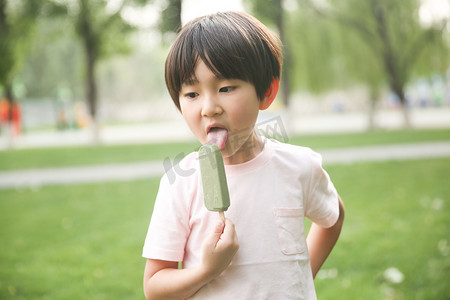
[(91, 47), (285, 78), (91, 94), (373, 99), (404, 105), (285, 85), (396, 82)]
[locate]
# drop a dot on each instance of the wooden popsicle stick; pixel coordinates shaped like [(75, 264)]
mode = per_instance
[(222, 216)]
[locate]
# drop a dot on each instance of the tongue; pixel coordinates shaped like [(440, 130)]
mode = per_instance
[(218, 136)]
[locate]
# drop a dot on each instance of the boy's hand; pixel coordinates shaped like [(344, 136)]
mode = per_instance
[(219, 248)]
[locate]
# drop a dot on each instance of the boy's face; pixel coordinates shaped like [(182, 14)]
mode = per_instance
[(230, 104)]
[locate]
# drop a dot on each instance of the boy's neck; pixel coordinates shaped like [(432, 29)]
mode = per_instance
[(249, 150)]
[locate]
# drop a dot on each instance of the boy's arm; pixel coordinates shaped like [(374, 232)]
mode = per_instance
[(322, 240), (163, 279)]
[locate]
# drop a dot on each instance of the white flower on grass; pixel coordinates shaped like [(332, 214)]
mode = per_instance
[(438, 204), (393, 275), (443, 247), (327, 273)]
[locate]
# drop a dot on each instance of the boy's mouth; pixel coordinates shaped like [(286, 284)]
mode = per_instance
[(218, 136)]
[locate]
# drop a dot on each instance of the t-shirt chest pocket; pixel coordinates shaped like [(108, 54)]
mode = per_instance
[(291, 230)]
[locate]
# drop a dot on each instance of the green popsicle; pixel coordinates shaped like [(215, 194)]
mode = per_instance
[(214, 180)]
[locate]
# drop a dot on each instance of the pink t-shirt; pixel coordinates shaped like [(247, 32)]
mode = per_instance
[(270, 196)]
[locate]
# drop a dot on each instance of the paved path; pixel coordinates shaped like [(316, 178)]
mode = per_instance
[(176, 130), (138, 170)]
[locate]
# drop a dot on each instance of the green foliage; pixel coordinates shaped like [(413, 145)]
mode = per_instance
[(55, 66), (267, 12), (17, 20), (138, 76), (171, 17), (317, 64), (372, 42), (102, 32), (55, 61)]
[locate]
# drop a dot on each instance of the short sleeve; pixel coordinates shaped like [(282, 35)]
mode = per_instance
[(321, 203), (168, 230)]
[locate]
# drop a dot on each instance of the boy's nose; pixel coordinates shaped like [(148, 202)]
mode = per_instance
[(211, 107)]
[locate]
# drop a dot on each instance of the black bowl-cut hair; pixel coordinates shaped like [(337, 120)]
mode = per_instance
[(233, 45)]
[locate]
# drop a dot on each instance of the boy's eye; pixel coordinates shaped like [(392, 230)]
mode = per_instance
[(191, 95), (227, 89)]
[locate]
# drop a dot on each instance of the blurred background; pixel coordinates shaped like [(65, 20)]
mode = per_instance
[(85, 67), (88, 127)]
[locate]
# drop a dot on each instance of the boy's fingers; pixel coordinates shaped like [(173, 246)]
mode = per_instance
[(215, 234), (229, 230), (229, 233)]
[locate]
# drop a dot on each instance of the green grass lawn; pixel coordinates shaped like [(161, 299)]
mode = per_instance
[(74, 242), (397, 215), (55, 157), (85, 241)]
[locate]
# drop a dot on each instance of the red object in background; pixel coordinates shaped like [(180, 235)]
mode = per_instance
[(16, 119), (16, 116), (4, 111)]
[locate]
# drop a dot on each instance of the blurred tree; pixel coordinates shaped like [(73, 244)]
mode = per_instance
[(17, 21), (17, 25), (318, 67), (394, 39), (55, 60), (102, 32), (171, 17), (328, 56), (271, 12)]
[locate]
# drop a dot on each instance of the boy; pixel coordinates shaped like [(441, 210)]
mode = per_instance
[(221, 70)]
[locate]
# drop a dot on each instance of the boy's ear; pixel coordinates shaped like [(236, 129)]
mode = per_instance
[(270, 94)]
